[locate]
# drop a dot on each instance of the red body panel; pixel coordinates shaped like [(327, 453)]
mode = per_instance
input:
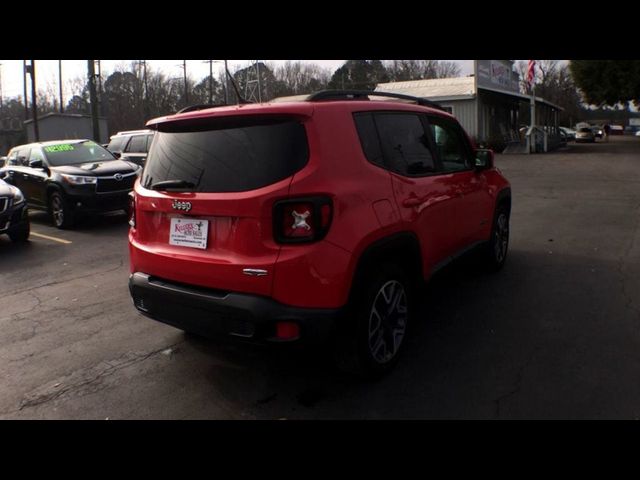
[(240, 236)]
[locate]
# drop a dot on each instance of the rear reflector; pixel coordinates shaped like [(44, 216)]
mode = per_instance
[(287, 330)]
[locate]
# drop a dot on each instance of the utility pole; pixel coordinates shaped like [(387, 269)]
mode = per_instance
[(34, 106), (145, 102), (24, 84), (100, 104), (60, 85), (93, 99), (186, 87), (1, 104), (210, 82), (226, 84)]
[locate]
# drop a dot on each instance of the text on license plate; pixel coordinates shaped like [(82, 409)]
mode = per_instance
[(189, 232)]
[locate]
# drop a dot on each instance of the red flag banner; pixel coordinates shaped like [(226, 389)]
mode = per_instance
[(531, 72)]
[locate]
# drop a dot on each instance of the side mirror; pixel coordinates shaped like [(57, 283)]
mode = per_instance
[(117, 154), (36, 164), (484, 159)]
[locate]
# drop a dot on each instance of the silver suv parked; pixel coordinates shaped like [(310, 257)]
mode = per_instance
[(131, 145)]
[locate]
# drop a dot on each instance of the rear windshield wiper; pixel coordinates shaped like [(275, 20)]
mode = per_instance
[(166, 184)]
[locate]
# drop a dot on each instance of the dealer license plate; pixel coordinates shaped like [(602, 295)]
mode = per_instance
[(189, 232)]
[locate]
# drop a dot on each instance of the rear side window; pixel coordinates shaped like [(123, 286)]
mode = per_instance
[(404, 142), (368, 134), (235, 156)]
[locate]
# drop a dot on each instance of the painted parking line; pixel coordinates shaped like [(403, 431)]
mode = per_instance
[(55, 239)]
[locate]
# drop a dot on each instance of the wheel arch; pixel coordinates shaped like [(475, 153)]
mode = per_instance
[(53, 187), (504, 198), (402, 248)]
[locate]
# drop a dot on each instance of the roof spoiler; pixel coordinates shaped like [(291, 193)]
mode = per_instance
[(201, 106)]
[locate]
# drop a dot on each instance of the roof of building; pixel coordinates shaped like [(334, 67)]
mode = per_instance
[(64, 115), (443, 89), (434, 89)]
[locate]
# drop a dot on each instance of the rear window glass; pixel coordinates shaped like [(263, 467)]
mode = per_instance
[(236, 156)]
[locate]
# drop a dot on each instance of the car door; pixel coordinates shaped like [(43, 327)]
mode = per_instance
[(457, 160), (425, 198), (35, 179)]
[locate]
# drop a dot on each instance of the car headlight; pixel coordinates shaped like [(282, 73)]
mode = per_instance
[(18, 197), (79, 179)]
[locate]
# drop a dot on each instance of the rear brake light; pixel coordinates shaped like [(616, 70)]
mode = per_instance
[(302, 220)]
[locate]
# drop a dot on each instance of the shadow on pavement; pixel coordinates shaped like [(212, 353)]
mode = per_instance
[(87, 223), (540, 325)]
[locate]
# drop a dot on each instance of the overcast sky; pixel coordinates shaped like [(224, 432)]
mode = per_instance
[(47, 71)]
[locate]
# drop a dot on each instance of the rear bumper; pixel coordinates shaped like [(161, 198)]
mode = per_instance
[(214, 313)]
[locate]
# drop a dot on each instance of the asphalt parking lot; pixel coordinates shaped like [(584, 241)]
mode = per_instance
[(555, 335)]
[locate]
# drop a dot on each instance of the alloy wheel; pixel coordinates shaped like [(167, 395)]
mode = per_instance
[(57, 210), (387, 321), (501, 240)]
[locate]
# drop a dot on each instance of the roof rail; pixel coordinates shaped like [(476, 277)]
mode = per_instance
[(364, 95), (201, 106)]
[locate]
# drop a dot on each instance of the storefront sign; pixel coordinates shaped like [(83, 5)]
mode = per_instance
[(497, 74)]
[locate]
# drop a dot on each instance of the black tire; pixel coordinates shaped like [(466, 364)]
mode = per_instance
[(370, 342), (496, 249), (20, 234), (62, 214)]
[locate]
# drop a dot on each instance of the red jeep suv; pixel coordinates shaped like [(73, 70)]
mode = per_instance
[(309, 220)]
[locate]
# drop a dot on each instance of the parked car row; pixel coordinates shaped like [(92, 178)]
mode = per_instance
[(68, 178)]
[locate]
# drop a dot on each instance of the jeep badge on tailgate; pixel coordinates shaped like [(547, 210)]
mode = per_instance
[(186, 206)]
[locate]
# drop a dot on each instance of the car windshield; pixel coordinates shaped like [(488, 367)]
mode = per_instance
[(73, 153)]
